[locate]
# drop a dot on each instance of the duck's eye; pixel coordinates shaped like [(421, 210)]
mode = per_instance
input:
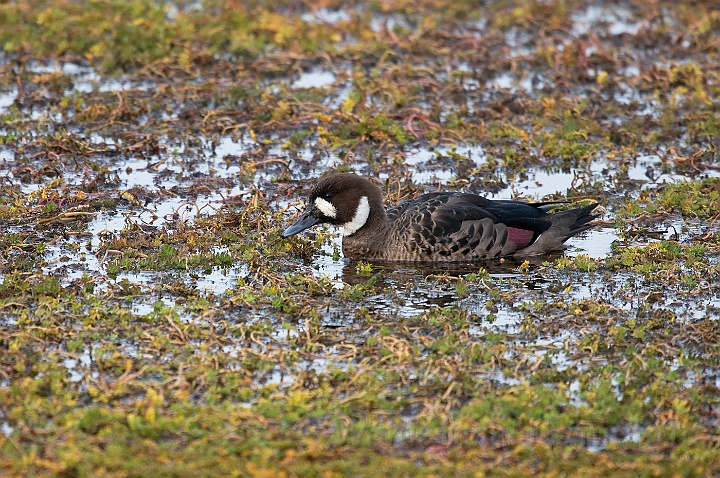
[(327, 196)]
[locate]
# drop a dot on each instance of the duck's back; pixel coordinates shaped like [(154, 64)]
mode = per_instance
[(467, 227)]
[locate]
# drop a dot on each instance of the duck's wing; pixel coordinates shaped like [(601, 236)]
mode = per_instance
[(459, 226), (449, 226)]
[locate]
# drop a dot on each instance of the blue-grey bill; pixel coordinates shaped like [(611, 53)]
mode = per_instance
[(306, 220)]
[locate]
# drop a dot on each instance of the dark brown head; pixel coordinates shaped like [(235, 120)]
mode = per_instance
[(342, 199)]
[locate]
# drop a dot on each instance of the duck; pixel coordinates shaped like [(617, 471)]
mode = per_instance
[(438, 226)]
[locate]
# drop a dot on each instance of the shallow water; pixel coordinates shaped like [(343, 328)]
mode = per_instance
[(504, 303)]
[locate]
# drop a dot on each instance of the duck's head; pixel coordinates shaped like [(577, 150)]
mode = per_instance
[(342, 200)]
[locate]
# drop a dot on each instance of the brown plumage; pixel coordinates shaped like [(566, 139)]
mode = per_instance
[(437, 226)]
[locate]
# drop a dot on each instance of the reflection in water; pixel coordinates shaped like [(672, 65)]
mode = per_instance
[(406, 289), (398, 270)]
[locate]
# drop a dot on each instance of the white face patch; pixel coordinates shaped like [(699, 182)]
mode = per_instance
[(326, 208), (361, 217)]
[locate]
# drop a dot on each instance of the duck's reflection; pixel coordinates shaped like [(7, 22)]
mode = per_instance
[(412, 271), (412, 288)]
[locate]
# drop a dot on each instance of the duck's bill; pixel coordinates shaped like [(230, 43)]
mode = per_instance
[(306, 220)]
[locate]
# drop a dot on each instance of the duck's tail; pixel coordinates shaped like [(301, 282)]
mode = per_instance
[(563, 226)]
